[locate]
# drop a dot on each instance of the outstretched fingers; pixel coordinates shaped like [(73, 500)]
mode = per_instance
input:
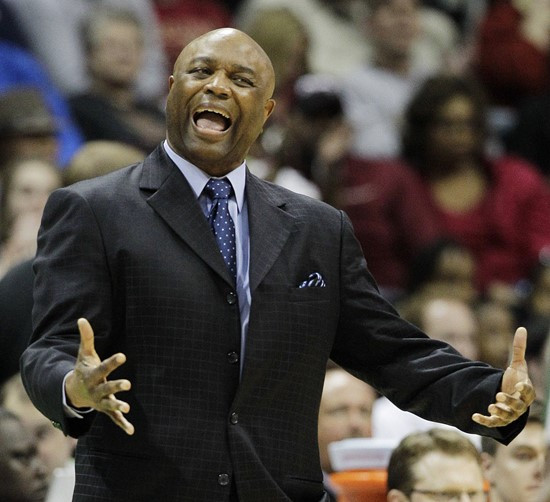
[(519, 346), (87, 348)]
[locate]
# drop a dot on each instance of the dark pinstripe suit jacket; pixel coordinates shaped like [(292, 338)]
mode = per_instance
[(133, 253)]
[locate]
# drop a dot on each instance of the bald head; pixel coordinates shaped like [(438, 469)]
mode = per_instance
[(231, 36), (220, 97)]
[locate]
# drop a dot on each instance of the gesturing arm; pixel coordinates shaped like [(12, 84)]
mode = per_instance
[(87, 385)]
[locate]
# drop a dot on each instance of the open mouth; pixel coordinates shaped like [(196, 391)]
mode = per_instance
[(211, 120)]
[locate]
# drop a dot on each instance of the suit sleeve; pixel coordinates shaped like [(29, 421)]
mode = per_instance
[(71, 281), (424, 376)]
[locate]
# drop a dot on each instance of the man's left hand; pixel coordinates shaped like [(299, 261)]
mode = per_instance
[(517, 392)]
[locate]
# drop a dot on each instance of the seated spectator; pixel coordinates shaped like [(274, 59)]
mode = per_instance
[(285, 40), (516, 472), (181, 21), (54, 448), (435, 465), (443, 268), (96, 158), (110, 108), (497, 207), (19, 69), (52, 28), (27, 128), (496, 324), (376, 94), (26, 185), (314, 141), (447, 319), (337, 44), (345, 411), (22, 473)]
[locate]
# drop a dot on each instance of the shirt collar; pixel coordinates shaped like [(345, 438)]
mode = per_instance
[(197, 178)]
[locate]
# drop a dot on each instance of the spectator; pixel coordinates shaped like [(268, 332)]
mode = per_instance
[(315, 139), (497, 207), (54, 448), (22, 473), (27, 128), (447, 319), (110, 109), (19, 69), (26, 185), (435, 465), (285, 39), (494, 321), (96, 158), (377, 94), (337, 44), (516, 472), (345, 411), (53, 30), (443, 268)]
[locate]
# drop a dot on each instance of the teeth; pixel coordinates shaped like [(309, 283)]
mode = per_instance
[(224, 115)]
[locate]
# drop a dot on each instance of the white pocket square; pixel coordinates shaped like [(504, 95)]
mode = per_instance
[(315, 280)]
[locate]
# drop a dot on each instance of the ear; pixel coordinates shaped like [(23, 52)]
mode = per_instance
[(268, 108), (170, 82), (396, 496)]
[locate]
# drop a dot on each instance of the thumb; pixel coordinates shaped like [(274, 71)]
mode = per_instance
[(86, 338), (518, 348)]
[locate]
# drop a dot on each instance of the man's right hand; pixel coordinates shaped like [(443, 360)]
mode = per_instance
[(87, 385)]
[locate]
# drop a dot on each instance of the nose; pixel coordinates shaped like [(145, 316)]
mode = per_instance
[(358, 423), (218, 85), (39, 468)]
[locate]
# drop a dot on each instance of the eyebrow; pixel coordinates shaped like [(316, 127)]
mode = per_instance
[(236, 67)]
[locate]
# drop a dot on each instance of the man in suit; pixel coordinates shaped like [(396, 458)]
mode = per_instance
[(222, 354)]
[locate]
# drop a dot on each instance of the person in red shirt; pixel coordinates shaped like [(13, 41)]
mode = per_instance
[(498, 207)]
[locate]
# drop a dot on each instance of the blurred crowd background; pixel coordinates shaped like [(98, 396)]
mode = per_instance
[(428, 122)]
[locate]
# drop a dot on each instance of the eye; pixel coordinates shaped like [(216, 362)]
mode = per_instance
[(200, 71), (243, 81)]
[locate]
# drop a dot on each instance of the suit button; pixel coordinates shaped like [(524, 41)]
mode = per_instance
[(223, 479), (233, 357), (231, 298), (234, 418)]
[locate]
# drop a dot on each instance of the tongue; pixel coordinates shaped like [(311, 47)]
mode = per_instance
[(210, 120)]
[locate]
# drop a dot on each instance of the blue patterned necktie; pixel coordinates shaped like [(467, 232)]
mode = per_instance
[(219, 190)]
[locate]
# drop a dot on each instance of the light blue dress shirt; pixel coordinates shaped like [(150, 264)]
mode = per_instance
[(238, 209)]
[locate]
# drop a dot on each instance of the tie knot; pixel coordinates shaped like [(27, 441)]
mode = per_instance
[(218, 188)]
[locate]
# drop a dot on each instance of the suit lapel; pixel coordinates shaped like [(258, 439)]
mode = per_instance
[(175, 202), (270, 226)]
